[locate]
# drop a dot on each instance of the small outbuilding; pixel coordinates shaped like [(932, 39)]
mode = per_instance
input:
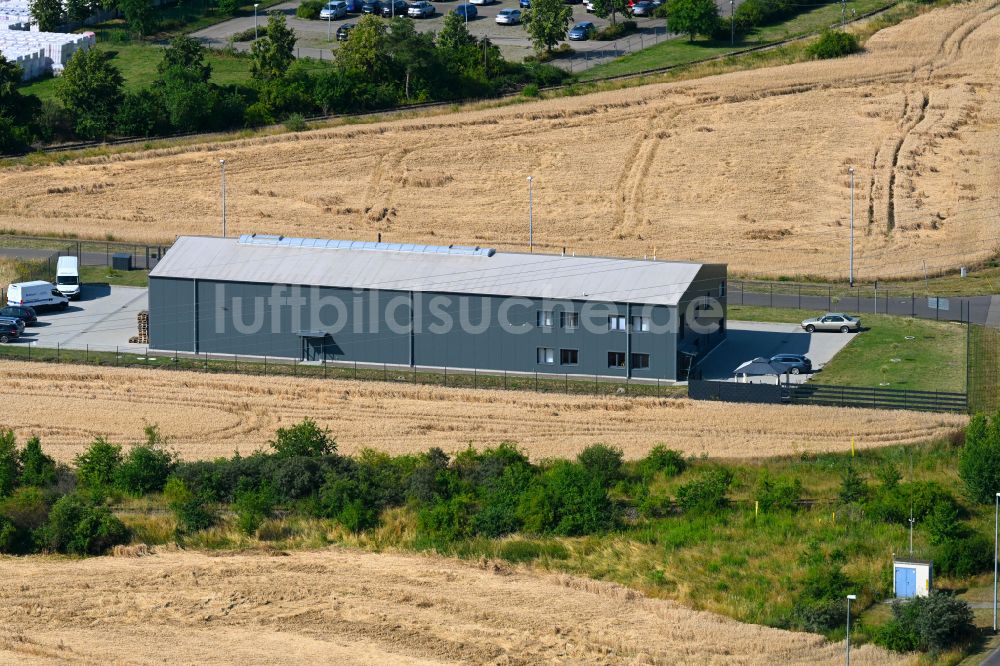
[(912, 578)]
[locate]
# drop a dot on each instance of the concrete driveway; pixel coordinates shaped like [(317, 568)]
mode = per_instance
[(746, 340), (104, 318)]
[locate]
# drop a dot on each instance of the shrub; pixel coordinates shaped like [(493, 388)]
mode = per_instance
[(612, 32), (309, 9), (190, 510), (963, 557), (604, 462), (227, 7), (781, 494), (144, 470), (294, 478), (706, 493), (979, 460), (833, 44), (893, 505), (296, 123), (97, 467), (37, 469), (932, 623), (446, 521), (567, 500), (499, 513), (522, 550), (8, 536), (662, 459), (852, 486), (79, 527), (247, 35), (430, 479), (530, 90), (303, 439), (21, 516), (252, 507), (10, 462), (821, 605)]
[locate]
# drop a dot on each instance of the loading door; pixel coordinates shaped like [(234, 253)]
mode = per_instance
[(906, 582)]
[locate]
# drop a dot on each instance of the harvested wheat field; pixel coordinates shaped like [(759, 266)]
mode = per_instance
[(205, 416), (749, 168), (346, 607)]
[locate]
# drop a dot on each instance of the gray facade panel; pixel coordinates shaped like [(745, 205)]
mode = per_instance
[(172, 302)]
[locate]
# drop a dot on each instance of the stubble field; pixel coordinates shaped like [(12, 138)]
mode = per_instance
[(205, 416), (749, 168), (343, 607)]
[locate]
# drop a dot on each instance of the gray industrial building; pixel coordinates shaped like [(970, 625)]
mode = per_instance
[(435, 306)]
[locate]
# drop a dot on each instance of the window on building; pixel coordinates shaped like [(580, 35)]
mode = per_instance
[(546, 355), (569, 356), (570, 319), (640, 324), (640, 361), (616, 359), (616, 323), (545, 317)]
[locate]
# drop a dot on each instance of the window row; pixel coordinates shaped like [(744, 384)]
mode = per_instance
[(639, 324), (545, 318), (547, 356)]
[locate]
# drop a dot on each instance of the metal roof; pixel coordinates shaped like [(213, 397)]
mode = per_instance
[(496, 273)]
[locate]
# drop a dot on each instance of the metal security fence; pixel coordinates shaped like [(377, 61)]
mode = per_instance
[(983, 369), (133, 356), (831, 396), (858, 300), (89, 252)]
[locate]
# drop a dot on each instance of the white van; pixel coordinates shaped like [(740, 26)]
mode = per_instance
[(68, 277), (37, 294)]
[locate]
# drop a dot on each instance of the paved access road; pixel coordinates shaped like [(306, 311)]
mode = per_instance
[(746, 340)]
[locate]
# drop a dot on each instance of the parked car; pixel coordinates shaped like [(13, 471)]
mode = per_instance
[(797, 363), (421, 9), (333, 10), (372, 7), (582, 31), (509, 16), (524, 4), (344, 31), (466, 11), (24, 313), (833, 321), (8, 331), (589, 6), (395, 8), (643, 8), (14, 320), (68, 277), (354, 6), (480, 2)]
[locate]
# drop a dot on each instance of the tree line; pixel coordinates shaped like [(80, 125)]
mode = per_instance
[(380, 66)]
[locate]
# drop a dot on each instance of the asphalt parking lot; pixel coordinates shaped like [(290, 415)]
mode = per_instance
[(102, 319), (746, 340)]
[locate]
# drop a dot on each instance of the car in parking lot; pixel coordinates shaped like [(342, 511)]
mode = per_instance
[(22, 312), (524, 4), (508, 17), (797, 363), (421, 9), (393, 8), (480, 2), (467, 11), (14, 320), (643, 8), (344, 31), (833, 321), (582, 31), (354, 6), (333, 10), (8, 331), (589, 6), (372, 7)]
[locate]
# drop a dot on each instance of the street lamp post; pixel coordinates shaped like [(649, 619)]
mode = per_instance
[(255, 6), (851, 273), (329, 22), (531, 229), (850, 598), (222, 165), (732, 22), (996, 540)]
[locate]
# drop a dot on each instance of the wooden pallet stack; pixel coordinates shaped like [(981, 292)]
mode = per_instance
[(143, 337)]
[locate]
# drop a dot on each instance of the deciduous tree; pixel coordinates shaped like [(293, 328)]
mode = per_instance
[(90, 89), (692, 17), (273, 54), (547, 22)]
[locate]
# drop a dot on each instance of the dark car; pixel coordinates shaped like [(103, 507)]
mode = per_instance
[(372, 7), (8, 331), (354, 6), (395, 8), (466, 11), (797, 363), (344, 31), (524, 4), (22, 312), (582, 31), (643, 8)]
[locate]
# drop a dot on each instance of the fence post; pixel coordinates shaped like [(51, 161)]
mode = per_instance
[(536, 380), (324, 366), (58, 353), (385, 373), (772, 294), (504, 380), (236, 364), (829, 297), (446, 376), (913, 304), (206, 361), (265, 365), (355, 369), (86, 354), (567, 382), (800, 297), (475, 378)]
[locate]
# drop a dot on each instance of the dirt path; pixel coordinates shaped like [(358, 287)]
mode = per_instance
[(344, 607)]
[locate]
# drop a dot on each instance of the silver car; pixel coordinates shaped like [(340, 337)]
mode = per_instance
[(833, 321), (508, 17), (333, 10), (421, 9)]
